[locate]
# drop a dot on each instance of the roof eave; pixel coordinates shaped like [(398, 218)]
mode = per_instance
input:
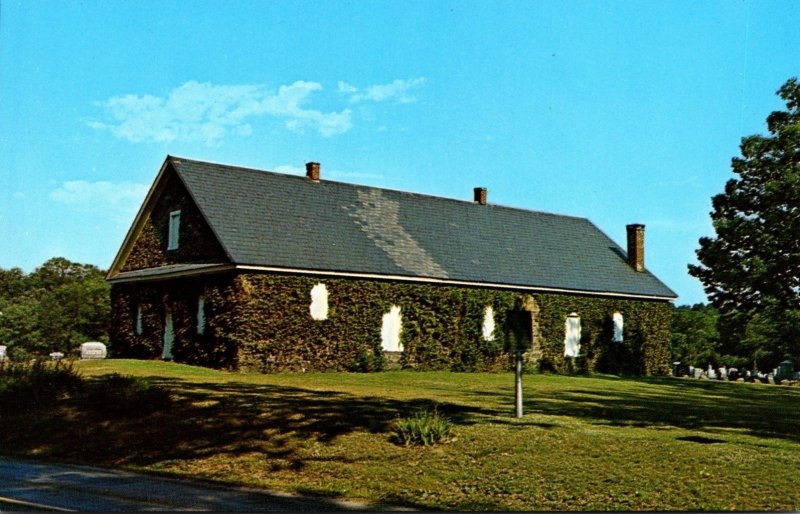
[(448, 281), (169, 273), (138, 222)]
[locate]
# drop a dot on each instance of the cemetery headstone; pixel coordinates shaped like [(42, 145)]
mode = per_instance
[(93, 350), (785, 370)]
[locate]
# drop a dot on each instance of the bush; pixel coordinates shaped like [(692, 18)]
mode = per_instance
[(126, 396), (424, 428), (32, 385)]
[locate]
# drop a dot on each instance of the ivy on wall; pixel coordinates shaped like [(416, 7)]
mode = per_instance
[(150, 248), (263, 322), (216, 347), (645, 345)]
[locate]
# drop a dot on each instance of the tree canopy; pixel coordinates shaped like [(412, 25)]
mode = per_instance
[(751, 269), (56, 307)]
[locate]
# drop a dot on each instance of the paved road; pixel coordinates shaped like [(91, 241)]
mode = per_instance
[(28, 485)]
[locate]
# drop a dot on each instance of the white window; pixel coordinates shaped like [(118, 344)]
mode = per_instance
[(139, 328), (572, 337), (617, 320), (201, 315), (319, 302), (390, 332), (174, 230), (488, 324)]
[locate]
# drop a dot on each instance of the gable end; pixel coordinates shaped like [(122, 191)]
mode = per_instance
[(148, 242)]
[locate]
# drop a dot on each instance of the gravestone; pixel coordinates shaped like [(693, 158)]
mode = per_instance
[(785, 370), (698, 373), (680, 369), (3, 353), (93, 350)]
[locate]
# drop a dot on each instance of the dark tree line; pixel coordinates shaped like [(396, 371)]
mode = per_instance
[(55, 308)]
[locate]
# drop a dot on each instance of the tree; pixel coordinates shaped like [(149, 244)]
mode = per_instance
[(59, 271), (695, 339), (58, 306), (751, 269), (18, 327), (12, 283)]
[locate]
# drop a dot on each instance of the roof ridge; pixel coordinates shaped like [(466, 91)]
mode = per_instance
[(178, 160), (432, 237)]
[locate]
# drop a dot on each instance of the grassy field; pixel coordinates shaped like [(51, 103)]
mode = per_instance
[(585, 443)]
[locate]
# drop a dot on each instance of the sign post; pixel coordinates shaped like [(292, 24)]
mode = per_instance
[(518, 381)]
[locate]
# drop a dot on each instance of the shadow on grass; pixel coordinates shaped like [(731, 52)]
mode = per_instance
[(752, 409), (212, 420), (278, 425)]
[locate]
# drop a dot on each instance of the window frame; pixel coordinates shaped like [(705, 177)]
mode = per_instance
[(319, 302), (617, 327), (572, 335), (392, 330), (174, 230), (138, 322), (201, 315), (488, 326)]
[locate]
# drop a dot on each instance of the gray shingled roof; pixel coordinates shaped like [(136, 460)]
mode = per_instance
[(276, 220)]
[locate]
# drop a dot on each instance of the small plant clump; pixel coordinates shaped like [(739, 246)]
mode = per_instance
[(426, 427)]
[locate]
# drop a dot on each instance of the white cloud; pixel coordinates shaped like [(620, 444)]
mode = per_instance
[(398, 90), (207, 112), (345, 88), (121, 200)]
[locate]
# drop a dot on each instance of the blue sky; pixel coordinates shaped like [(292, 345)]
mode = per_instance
[(620, 112)]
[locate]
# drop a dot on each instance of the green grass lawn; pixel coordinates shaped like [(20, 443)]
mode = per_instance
[(585, 443)]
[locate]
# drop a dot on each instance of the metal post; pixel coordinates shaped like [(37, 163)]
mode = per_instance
[(518, 395)]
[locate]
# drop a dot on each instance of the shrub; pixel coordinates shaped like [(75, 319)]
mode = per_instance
[(35, 384), (424, 428), (126, 396)]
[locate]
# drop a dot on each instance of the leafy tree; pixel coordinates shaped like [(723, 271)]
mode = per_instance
[(12, 283), (18, 327), (59, 271), (751, 269), (75, 313), (695, 338), (58, 306)]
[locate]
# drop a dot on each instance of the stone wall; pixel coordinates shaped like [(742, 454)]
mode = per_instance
[(264, 322), (197, 243)]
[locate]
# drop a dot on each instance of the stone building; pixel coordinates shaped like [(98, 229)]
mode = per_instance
[(242, 268)]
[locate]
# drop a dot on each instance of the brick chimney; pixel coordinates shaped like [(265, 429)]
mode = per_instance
[(636, 246), (480, 195), (312, 171)]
